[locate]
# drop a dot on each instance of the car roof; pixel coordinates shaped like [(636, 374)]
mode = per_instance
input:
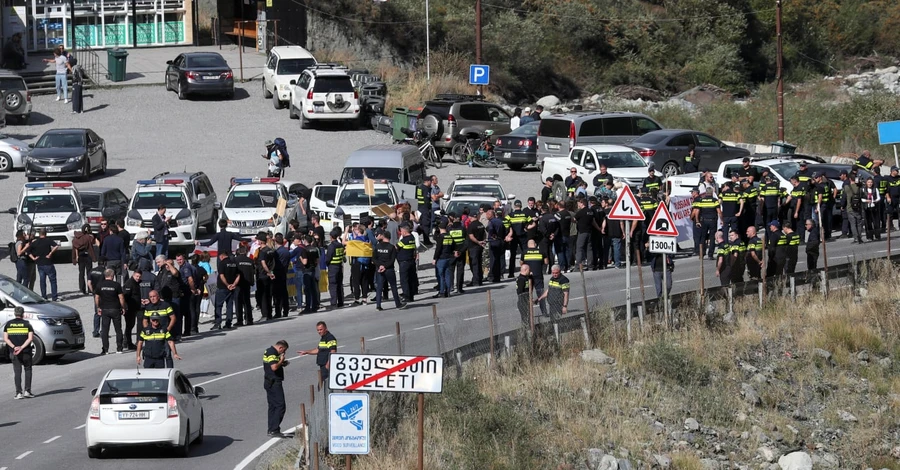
[(604, 148), (672, 132), (183, 175), (95, 190), (116, 374), (291, 52), (255, 186), (203, 54), (72, 130), (587, 114)]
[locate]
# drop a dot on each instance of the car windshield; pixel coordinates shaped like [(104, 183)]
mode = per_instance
[(621, 160), (391, 175), (137, 385), (494, 190), (340, 84), (293, 66), (786, 170), (60, 141), (358, 197), (152, 200), (90, 202), (457, 207), (528, 130), (202, 61), (252, 199), (19, 293), (41, 204)]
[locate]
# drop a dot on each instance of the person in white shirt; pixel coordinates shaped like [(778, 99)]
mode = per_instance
[(514, 122)]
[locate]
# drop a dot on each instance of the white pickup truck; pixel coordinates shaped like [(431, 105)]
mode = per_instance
[(782, 167)]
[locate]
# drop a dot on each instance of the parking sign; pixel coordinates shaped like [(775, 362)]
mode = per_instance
[(479, 74)]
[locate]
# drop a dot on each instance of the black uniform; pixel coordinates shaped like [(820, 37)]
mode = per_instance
[(273, 384), (334, 256), (771, 194), (248, 275), (708, 217), (264, 282), (753, 267), (826, 191), (516, 220), (791, 252), (524, 299), (723, 255), (460, 237), (476, 251), (18, 329), (406, 258), (737, 253), (423, 198), (556, 295), (777, 242), (110, 309), (731, 202), (327, 345), (651, 183), (385, 255), (154, 347), (95, 276), (812, 250), (132, 292), (535, 260)]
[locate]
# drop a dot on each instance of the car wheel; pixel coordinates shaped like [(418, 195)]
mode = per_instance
[(199, 439), (39, 351), (276, 102), (459, 153), (13, 101), (669, 169), (515, 166), (94, 452), (266, 93), (6, 163), (292, 111), (185, 450), (86, 171), (181, 93), (168, 85), (103, 164), (304, 123)]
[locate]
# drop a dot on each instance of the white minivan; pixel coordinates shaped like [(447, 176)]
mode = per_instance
[(285, 63)]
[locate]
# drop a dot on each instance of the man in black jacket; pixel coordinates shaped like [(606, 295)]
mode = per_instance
[(160, 224), (133, 308), (248, 275), (384, 258), (113, 249), (168, 284), (223, 239)]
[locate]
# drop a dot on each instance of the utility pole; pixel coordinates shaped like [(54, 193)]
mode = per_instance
[(478, 38), (427, 43), (779, 92)]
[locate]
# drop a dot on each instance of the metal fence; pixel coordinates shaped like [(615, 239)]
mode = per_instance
[(502, 328)]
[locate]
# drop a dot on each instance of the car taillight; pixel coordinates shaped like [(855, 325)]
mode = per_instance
[(525, 143), (95, 220), (172, 407), (229, 74), (28, 96), (356, 95), (451, 119), (309, 95), (95, 408), (572, 135), (192, 75), (646, 153)]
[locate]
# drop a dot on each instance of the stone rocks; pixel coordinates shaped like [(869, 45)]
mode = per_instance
[(608, 462), (711, 464), (862, 356), (796, 461), (594, 457), (691, 424), (885, 362), (826, 460), (750, 395), (766, 453), (548, 101), (847, 417), (663, 461), (596, 356), (703, 94), (624, 465)]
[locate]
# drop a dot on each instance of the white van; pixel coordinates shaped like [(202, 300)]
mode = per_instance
[(285, 63)]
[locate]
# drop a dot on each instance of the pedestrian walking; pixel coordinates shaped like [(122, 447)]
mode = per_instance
[(110, 300), (327, 345), (24, 263), (62, 68), (536, 261), (77, 90), (154, 345), (226, 283), (557, 293), (41, 252), (18, 335), (384, 258), (83, 255), (275, 159), (242, 298), (273, 378), (133, 308), (334, 257)]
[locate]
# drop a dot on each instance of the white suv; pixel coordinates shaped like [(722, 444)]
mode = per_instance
[(51, 206), (255, 204), (324, 92), (188, 198), (285, 63)]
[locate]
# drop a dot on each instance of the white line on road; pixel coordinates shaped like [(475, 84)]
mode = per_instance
[(51, 439), (379, 337), (237, 373), (81, 427), (475, 318), (24, 455), (426, 327), (259, 450), (2, 468)]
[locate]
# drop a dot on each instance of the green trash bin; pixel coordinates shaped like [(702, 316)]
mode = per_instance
[(401, 120), (116, 59)]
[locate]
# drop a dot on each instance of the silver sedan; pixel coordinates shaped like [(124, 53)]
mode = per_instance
[(12, 153)]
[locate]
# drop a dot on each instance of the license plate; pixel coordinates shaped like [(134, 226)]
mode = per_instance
[(52, 169), (79, 340), (249, 230), (507, 155), (211, 77), (320, 109), (134, 415), (552, 146)]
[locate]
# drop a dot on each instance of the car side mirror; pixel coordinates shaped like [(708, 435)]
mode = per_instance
[(293, 82), (199, 391), (329, 203), (590, 167), (93, 392), (168, 62), (510, 196), (11, 210), (201, 196), (334, 182), (217, 206), (31, 145), (195, 205), (446, 197)]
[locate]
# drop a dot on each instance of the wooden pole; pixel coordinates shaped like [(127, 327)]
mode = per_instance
[(362, 345), (765, 262), (587, 311), (779, 73), (347, 462), (640, 267), (825, 243), (316, 452), (531, 307), (305, 430), (241, 50), (702, 280), (421, 431), (437, 333), (490, 310), (399, 342)]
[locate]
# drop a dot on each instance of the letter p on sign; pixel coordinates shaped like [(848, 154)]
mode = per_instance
[(479, 74)]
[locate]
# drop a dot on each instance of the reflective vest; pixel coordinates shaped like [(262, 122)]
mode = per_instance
[(708, 206), (338, 257), (533, 254), (651, 183)]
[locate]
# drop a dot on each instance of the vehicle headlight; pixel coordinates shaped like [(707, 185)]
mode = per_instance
[(74, 222), (230, 223), (75, 159), (17, 149), (52, 321), (29, 160), (132, 222), (185, 221)]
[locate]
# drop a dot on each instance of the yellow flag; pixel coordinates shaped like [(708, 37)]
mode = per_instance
[(358, 249)]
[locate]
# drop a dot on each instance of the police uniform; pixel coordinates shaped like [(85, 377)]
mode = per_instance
[(17, 329), (648, 206), (458, 233), (556, 295), (723, 255), (327, 345), (770, 192), (273, 384), (652, 183), (516, 220), (779, 243), (798, 197), (751, 209), (96, 276), (825, 190), (894, 192), (476, 251), (248, 277), (385, 255), (535, 260), (754, 269), (406, 258), (731, 201), (708, 218), (334, 256), (738, 257), (423, 198), (864, 163), (154, 343), (443, 258), (792, 241)]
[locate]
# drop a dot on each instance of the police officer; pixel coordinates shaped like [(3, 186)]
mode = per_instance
[(383, 259), (825, 197), (273, 378), (152, 343), (706, 214), (95, 276), (648, 201), (334, 257), (754, 256), (496, 233), (723, 259), (406, 258), (133, 308), (812, 250), (792, 245), (458, 234), (695, 197), (745, 172), (110, 302), (548, 227), (423, 198), (248, 276), (775, 248), (798, 209), (444, 255), (651, 182), (750, 194), (516, 222), (732, 204), (327, 345), (737, 253), (804, 175), (18, 335), (476, 234), (781, 240), (881, 182), (557, 293), (770, 194), (536, 262), (226, 284), (864, 161), (893, 194)]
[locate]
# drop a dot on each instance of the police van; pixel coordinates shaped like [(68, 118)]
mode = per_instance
[(188, 198), (52, 206), (258, 204)]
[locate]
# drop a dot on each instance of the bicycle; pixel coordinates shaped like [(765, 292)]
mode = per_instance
[(422, 140), (481, 155)]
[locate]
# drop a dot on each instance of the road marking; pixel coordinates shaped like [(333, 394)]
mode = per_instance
[(235, 373), (51, 439), (426, 327), (380, 337), (24, 455), (81, 427), (259, 450), (475, 318), (2, 468)]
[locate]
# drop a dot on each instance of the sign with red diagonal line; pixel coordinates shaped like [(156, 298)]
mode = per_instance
[(367, 372)]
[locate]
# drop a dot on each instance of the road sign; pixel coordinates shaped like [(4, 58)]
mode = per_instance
[(663, 245), (889, 132), (348, 423), (662, 223), (626, 207), (479, 74), (357, 372)]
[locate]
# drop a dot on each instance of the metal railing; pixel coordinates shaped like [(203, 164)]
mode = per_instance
[(90, 63)]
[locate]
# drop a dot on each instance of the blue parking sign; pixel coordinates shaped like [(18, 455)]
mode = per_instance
[(479, 74), (889, 132)]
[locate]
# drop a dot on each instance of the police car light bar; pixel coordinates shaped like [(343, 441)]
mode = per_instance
[(257, 179), (160, 181), (58, 184), (362, 181), (474, 176)]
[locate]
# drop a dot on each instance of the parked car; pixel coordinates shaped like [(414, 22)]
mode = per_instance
[(477, 185), (252, 204), (57, 327), (51, 206), (61, 153), (285, 63), (623, 163), (13, 153), (154, 407), (324, 92), (519, 147), (16, 97), (201, 73), (453, 118), (558, 134), (667, 148), (103, 204), (189, 198)]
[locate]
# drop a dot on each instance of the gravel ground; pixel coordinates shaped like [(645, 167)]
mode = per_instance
[(148, 130)]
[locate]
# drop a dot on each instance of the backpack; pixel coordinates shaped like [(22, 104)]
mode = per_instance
[(13, 256), (281, 145)]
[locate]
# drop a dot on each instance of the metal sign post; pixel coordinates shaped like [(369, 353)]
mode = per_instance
[(627, 208), (665, 246), (628, 279)]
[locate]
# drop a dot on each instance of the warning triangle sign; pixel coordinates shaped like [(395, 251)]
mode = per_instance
[(626, 207), (662, 223)]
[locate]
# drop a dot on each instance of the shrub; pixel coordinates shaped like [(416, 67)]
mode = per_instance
[(675, 364)]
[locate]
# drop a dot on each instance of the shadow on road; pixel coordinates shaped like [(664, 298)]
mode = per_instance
[(96, 108), (110, 172), (197, 375), (6, 425), (211, 445), (60, 391)]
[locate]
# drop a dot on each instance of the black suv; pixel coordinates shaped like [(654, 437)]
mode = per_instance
[(453, 118)]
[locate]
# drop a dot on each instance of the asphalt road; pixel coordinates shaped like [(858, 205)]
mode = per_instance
[(224, 139)]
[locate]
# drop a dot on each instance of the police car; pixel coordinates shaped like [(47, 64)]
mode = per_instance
[(51, 206), (190, 209), (255, 204), (474, 188), (351, 200)]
